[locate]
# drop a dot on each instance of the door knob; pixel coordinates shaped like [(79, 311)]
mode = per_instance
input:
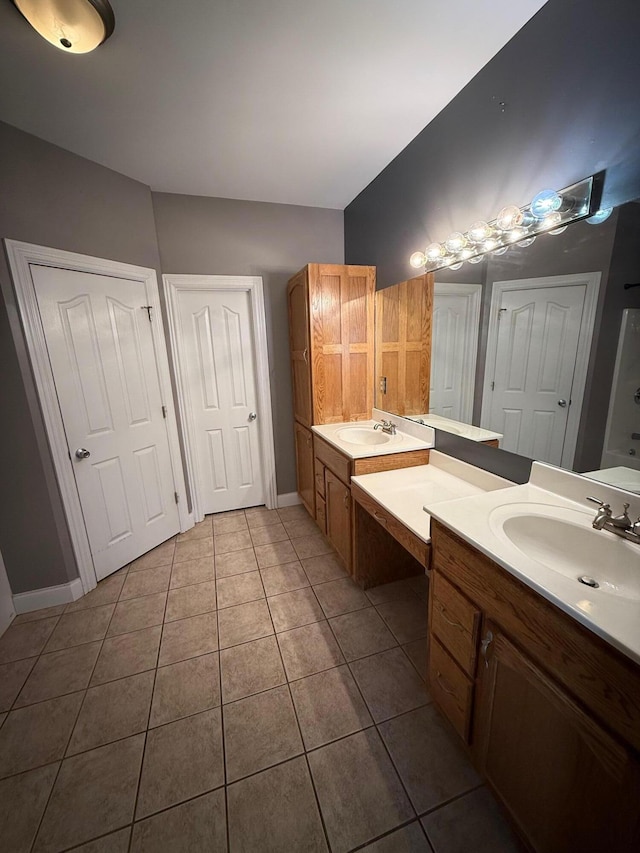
[(82, 453), (252, 416), (562, 403)]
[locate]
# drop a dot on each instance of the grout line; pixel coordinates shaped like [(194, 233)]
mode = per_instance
[(387, 834)]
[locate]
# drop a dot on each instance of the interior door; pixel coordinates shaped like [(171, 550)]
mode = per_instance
[(104, 367), (537, 344), (218, 373)]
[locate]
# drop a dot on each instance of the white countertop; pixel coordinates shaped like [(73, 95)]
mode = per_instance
[(404, 492), (401, 442), (469, 431)]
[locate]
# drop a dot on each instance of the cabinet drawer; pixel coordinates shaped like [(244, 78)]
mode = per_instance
[(451, 688), (319, 472), (456, 621), (333, 459), (321, 513)]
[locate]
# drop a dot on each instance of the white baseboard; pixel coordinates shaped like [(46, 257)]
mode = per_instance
[(289, 499), (25, 602)]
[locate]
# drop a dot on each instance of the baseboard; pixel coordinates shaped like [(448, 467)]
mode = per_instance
[(36, 599), (289, 499)]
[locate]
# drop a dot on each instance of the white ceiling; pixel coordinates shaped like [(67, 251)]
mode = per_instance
[(294, 101)]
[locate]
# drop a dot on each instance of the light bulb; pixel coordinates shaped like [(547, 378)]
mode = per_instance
[(509, 217), (489, 245), (515, 234), (600, 216), (544, 203), (456, 266), (558, 230), (418, 259), (465, 253), (455, 242), (500, 251), (526, 242), (551, 220), (75, 27), (475, 259), (479, 231), (435, 251)]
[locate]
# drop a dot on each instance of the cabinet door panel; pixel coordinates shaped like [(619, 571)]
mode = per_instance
[(338, 515), (300, 346), (304, 467)]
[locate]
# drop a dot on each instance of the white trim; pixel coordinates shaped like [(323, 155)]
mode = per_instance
[(172, 285), (36, 599), (591, 282), (21, 256), (288, 499), (7, 607), (473, 292)]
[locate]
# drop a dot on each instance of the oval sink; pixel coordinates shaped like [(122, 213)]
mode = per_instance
[(362, 435), (562, 539)]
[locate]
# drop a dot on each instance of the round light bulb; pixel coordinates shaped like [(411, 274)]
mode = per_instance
[(544, 203), (456, 266), (509, 217), (500, 251), (479, 231), (489, 245), (551, 220), (526, 242), (455, 242), (418, 259), (435, 251), (558, 230), (515, 234), (465, 253), (475, 259), (600, 216)]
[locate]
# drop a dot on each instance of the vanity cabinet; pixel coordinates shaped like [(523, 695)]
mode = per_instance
[(550, 713), (304, 467), (338, 516)]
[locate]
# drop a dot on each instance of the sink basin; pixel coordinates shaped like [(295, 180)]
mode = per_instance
[(562, 540), (363, 435)]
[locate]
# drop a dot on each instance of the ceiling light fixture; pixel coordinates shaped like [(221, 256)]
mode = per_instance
[(549, 213), (75, 26)]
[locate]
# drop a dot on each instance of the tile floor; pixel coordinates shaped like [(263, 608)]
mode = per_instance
[(233, 690)]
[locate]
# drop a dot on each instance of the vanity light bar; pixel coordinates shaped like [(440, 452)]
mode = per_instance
[(549, 212)]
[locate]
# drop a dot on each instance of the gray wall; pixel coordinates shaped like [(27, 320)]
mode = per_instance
[(53, 198), (213, 236)]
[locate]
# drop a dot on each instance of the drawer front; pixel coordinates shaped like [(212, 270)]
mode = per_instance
[(456, 621), (450, 688), (321, 513), (319, 475), (333, 459), (414, 545)]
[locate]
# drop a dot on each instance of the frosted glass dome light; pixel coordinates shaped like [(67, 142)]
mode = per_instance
[(75, 26)]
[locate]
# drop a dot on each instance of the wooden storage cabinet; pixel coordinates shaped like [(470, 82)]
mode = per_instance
[(338, 516), (304, 467)]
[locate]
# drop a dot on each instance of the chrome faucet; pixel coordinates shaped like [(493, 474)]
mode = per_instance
[(621, 524), (386, 426)]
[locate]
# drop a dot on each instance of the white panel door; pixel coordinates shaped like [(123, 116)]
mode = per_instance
[(453, 350), (537, 344), (104, 367), (218, 367)]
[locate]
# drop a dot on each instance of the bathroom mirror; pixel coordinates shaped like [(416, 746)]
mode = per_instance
[(542, 345)]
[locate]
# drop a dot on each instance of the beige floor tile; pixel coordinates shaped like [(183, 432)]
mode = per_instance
[(239, 589), (115, 842), (361, 633), (235, 562), (227, 542), (36, 615), (146, 582), (391, 591), (279, 579), (192, 572), (390, 684), (417, 653), (260, 731), (312, 546), (37, 734), (243, 623), (85, 626), (300, 527), (187, 638), (430, 761), (341, 596), (194, 549), (275, 554), (329, 706), (22, 801), (261, 517), (229, 523), (275, 811), (326, 567), (473, 822), (112, 711), (250, 668), (359, 791), (309, 649), (137, 613), (160, 556), (12, 676), (94, 794), (406, 617), (191, 600), (194, 827), (57, 673), (127, 654), (185, 688), (25, 641), (107, 592), (293, 513), (409, 839), (294, 609), (268, 535), (181, 760), (199, 531)]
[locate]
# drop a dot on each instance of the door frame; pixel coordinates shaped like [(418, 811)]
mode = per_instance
[(173, 285), (591, 282), (473, 294), (20, 255)]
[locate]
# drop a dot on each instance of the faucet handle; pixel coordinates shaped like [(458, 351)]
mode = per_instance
[(597, 501)]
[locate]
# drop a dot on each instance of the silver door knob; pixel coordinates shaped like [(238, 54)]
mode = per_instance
[(562, 403), (82, 453), (253, 416)]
